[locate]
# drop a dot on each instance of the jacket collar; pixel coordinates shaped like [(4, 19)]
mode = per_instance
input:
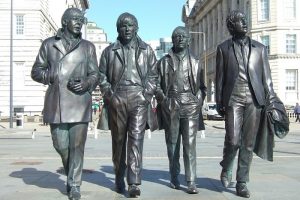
[(140, 43), (59, 45), (251, 44)]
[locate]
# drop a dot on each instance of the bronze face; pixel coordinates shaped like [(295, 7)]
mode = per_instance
[(180, 39), (127, 30), (240, 24), (74, 23)]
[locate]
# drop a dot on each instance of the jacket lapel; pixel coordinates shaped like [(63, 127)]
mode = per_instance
[(193, 69), (60, 47), (141, 47)]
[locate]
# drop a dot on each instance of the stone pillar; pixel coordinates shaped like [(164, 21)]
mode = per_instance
[(225, 13), (200, 29), (214, 27), (220, 28)]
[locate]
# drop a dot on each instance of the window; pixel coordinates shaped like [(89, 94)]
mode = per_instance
[(19, 24), (290, 9), (19, 75), (264, 10), (291, 79), (266, 41), (291, 43)]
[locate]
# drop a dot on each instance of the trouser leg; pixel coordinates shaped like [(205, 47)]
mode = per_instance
[(118, 122), (60, 139), (249, 132), (78, 133), (233, 126), (137, 120), (173, 139), (188, 130), (69, 141)]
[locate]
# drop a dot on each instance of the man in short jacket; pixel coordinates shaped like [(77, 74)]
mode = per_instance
[(180, 93), (128, 79)]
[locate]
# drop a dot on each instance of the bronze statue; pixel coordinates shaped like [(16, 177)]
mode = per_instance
[(68, 65), (128, 77), (243, 86), (180, 94)]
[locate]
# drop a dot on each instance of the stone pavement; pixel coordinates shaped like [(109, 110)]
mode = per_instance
[(31, 169)]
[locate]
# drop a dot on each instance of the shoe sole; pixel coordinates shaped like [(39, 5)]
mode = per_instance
[(135, 194)]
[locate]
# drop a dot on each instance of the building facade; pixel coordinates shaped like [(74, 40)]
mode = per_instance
[(97, 36), (275, 23), (32, 22), (161, 47)]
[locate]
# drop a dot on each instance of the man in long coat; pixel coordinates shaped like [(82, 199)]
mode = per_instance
[(128, 79), (180, 93), (68, 65), (243, 86)]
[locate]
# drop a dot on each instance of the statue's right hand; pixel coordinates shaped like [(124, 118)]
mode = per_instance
[(221, 109), (108, 96)]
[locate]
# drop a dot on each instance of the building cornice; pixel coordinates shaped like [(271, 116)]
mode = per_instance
[(284, 56)]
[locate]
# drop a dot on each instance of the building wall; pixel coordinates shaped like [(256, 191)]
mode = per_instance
[(41, 20), (209, 16), (98, 37)]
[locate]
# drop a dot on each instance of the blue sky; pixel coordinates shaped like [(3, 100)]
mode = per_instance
[(156, 18)]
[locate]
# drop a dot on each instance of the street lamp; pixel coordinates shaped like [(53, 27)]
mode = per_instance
[(204, 51)]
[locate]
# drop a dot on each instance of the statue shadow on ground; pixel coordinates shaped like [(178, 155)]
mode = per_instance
[(162, 178), (42, 179), (214, 185), (50, 180)]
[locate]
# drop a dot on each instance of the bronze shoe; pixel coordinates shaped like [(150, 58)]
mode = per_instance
[(75, 193), (242, 190), (191, 188), (134, 191), (226, 177)]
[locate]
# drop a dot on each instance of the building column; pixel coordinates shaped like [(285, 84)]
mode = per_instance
[(220, 30), (214, 27)]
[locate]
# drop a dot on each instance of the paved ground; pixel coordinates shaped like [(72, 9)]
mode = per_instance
[(31, 169)]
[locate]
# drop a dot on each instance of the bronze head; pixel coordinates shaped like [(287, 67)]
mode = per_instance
[(127, 27), (237, 23), (72, 21), (180, 39)]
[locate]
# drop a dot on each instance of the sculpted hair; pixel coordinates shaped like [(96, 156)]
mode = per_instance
[(178, 29), (124, 16), (68, 13), (231, 19)]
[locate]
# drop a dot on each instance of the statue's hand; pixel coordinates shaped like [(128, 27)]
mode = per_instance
[(108, 96), (221, 109), (78, 85), (159, 97)]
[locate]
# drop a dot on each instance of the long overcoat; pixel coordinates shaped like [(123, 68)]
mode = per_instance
[(258, 71), (54, 66), (112, 67)]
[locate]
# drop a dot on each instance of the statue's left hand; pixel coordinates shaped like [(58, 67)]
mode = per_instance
[(78, 86)]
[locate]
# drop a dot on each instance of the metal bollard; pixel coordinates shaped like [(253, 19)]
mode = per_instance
[(95, 133), (202, 134), (33, 134)]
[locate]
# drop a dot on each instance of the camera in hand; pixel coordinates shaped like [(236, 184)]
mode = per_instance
[(73, 81)]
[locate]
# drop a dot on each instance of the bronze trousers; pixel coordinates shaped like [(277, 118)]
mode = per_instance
[(241, 124), (128, 117), (181, 118), (69, 141)]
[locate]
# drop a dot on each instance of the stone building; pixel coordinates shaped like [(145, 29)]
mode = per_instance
[(275, 23), (32, 22)]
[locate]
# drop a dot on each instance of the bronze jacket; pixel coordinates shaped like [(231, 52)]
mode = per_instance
[(166, 70), (227, 71), (112, 68), (54, 66)]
